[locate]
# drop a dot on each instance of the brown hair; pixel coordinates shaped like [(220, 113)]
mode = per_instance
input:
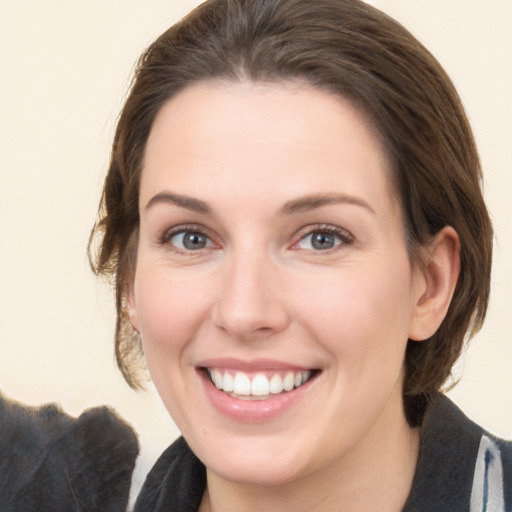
[(348, 48)]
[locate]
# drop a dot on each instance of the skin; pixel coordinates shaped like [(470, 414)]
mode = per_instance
[(259, 289)]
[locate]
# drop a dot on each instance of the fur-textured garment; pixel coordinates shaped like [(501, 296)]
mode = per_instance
[(51, 462), (461, 468)]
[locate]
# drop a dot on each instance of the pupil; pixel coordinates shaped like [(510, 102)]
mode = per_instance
[(194, 241), (322, 241)]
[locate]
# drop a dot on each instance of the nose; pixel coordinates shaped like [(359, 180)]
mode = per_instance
[(251, 303)]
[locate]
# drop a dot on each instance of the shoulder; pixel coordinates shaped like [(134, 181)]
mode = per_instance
[(460, 467), (57, 462), (176, 481)]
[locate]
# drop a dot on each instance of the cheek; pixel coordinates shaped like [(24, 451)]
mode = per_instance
[(170, 317), (360, 316), (169, 312)]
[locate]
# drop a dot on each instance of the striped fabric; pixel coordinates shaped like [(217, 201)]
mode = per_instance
[(487, 494)]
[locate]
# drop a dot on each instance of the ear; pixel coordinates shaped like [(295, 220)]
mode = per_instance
[(132, 309), (438, 274)]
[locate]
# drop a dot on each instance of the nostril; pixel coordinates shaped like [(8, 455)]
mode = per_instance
[(242, 322)]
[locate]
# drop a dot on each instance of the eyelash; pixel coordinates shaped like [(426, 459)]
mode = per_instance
[(166, 237), (344, 237)]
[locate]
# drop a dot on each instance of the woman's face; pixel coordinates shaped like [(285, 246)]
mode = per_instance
[(272, 260)]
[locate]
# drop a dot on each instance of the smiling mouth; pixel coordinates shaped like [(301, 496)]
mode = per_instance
[(259, 386)]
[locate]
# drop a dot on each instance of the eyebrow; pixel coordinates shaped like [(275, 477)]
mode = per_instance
[(293, 207), (187, 202), (308, 203)]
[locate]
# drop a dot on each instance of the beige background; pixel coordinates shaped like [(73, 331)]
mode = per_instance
[(64, 69)]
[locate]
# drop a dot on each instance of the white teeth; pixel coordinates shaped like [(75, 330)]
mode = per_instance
[(217, 379), (276, 384), (289, 381), (229, 383), (242, 384), (260, 385)]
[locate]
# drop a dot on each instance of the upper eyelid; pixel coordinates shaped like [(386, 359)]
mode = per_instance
[(328, 228), (168, 233), (199, 228)]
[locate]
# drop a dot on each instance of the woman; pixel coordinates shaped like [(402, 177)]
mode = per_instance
[(294, 221)]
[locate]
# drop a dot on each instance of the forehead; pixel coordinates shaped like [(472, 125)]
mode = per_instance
[(263, 139)]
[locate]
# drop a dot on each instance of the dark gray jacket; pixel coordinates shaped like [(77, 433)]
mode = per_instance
[(461, 468)]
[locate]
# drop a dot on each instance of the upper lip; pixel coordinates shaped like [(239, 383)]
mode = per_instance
[(254, 365)]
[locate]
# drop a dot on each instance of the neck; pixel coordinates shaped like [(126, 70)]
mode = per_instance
[(376, 475)]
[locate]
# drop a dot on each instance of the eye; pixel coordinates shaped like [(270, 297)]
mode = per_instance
[(187, 240), (324, 239)]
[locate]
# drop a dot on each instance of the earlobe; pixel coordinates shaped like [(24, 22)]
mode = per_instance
[(439, 272)]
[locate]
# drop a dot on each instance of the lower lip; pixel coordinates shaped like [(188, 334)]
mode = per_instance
[(252, 411)]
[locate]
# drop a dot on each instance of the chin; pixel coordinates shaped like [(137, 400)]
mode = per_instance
[(267, 473), (260, 460)]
